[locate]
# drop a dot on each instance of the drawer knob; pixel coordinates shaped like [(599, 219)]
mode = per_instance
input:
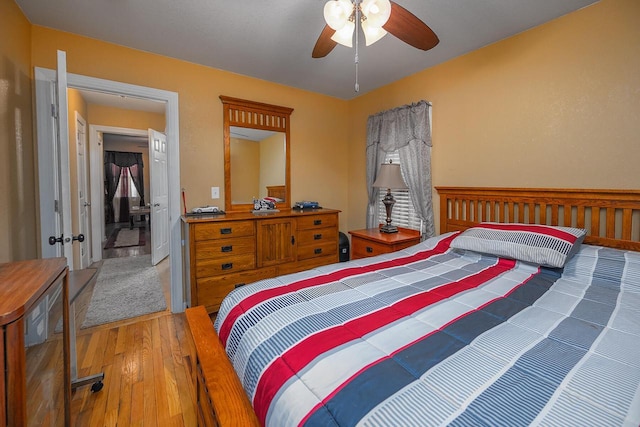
[(227, 248), (317, 222), (317, 251), (369, 249), (225, 230), (317, 236), (227, 266)]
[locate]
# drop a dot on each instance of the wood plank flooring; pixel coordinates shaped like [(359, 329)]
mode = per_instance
[(148, 376), (146, 363)]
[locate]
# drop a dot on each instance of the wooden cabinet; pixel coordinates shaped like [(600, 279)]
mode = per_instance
[(35, 384), (370, 242), (227, 251)]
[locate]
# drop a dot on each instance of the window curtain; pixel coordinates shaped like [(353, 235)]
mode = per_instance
[(407, 130), (114, 162)]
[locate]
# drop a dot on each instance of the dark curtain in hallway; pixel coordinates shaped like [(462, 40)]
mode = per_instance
[(115, 165)]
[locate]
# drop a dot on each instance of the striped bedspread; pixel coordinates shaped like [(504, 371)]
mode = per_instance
[(433, 336)]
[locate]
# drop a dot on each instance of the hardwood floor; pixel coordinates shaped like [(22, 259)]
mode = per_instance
[(146, 363)]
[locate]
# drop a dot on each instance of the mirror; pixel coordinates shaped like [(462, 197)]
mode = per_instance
[(256, 153), (257, 164)]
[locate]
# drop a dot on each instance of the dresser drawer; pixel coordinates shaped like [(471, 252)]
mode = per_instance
[(212, 290), (322, 235), (317, 250), (230, 264), (224, 230), (365, 248), (317, 221), (224, 248)]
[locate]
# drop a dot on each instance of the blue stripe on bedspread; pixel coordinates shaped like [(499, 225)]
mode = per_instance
[(380, 381), (526, 346), (518, 396)]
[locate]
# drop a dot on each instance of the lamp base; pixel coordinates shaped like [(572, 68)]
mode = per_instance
[(388, 228)]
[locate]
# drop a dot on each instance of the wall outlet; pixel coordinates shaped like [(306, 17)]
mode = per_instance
[(215, 192)]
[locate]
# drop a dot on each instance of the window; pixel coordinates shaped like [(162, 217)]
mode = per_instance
[(403, 213), (126, 187)]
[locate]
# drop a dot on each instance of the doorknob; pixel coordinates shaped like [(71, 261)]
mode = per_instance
[(53, 239), (87, 204), (156, 204), (79, 238)]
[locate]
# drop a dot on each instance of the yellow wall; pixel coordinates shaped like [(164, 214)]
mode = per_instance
[(556, 106), (17, 175), (245, 170), (319, 151), (272, 162)]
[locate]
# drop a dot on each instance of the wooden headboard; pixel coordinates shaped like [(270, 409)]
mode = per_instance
[(611, 217), (277, 191)]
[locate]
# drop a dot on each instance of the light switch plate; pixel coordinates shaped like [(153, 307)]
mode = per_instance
[(215, 192)]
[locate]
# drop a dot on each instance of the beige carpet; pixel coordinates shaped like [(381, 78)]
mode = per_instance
[(125, 288)]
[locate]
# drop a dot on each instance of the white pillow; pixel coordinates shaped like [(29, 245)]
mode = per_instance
[(539, 244)]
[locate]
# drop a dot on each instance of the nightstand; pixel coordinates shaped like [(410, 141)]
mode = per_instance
[(371, 242)]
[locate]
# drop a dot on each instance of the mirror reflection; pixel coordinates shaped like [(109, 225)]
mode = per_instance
[(258, 164)]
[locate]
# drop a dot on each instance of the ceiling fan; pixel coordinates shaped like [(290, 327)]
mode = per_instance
[(376, 18)]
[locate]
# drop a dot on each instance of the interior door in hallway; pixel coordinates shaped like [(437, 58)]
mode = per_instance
[(159, 196), (82, 191)]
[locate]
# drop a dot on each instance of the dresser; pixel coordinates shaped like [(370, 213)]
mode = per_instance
[(35, 386), (223, 252), (371, 241)]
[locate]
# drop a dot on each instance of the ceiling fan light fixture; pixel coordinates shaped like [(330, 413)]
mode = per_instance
[(337, 13), (377, 12), (372, 34), (344, 35)]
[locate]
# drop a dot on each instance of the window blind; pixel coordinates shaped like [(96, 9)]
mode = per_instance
[(403, 213)]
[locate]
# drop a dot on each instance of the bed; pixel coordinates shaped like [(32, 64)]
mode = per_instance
[(445, 332)]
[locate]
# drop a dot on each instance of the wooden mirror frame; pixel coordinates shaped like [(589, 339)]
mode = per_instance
[(255, 115)]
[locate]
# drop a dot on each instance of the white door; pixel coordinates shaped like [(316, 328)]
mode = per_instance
[(61, 147), (159, 196), (83, 200)]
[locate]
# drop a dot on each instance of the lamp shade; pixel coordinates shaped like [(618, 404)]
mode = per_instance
[(377, 12), (390, 177), (337, 13), (344, 35), (372, 34)]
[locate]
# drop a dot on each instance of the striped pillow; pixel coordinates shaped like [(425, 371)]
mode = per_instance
[(540, 244)]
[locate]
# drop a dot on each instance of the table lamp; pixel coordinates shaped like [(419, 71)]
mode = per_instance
[(389, 177)]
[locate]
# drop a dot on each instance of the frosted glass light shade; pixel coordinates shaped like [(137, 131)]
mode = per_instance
[(372, 34), (344, 36), (337, 13), (376, 11)]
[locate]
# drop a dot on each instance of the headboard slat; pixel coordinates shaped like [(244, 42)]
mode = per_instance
[(611, 217)]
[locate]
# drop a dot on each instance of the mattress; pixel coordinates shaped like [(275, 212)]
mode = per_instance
[(432, 335)]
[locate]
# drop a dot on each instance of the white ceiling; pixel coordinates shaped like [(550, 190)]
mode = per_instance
[(272, 40)]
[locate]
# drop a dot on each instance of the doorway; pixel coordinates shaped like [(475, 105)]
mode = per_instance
[(45, 82)]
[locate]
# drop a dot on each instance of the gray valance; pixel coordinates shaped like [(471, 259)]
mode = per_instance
[(407, 130)]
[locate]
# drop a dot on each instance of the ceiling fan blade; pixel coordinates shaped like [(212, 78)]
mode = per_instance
[(410, 29), (324, 45)]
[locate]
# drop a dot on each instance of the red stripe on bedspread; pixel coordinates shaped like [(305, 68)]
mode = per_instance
[(297, 357), (259, 297), (532, 228)]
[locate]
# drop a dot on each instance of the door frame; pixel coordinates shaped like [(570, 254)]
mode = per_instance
[(44, 79), (96, 160)]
